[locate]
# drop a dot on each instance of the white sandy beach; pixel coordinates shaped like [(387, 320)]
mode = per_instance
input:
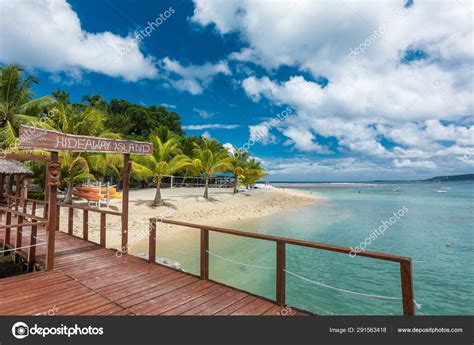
[(187, 204)]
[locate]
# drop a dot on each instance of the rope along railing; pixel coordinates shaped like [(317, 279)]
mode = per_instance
[(418, 306), (406, 278), (180, 249)]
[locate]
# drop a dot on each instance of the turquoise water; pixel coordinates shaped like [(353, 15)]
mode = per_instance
[(436, 231)]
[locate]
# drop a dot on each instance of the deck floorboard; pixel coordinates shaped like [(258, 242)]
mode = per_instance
[(92, 280)]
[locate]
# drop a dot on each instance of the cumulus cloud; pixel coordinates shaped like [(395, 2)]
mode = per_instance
[(193, 78), (261, 133), (406, 113), (47, 34)]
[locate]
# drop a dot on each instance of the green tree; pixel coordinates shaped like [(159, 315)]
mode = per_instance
[(136, 121), (61, 96), (237, 165), (165, 160), (17, 103), (253, 172), (209, 159)]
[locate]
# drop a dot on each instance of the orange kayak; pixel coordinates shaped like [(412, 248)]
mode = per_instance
[(89, 196)]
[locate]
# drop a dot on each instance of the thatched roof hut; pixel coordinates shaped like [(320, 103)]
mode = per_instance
[(9, 167)]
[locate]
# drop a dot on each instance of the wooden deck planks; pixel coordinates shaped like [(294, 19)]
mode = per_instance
[(91, 280)]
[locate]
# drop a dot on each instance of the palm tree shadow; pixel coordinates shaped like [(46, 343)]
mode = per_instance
[(149, 203)]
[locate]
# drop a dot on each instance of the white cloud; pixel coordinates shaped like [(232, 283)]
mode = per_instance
[(303, 140), (206, 135), (407, 163), (360, 169), (193, 78), (422, 107), (203, 113), (261, 133), (47, 34), (210, 126), (229, 147)]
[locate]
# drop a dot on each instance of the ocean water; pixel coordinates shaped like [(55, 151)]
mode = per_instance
[(436, 231)]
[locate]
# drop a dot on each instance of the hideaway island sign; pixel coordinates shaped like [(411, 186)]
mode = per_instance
[(42, 139)]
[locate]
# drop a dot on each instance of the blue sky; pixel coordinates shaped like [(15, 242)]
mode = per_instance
[(376, 90)]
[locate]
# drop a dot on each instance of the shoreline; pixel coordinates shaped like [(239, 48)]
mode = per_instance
[(188, 205)]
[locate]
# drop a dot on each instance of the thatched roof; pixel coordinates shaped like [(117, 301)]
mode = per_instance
[(9, 167)]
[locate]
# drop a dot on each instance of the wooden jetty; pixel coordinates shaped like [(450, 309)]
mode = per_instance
[(78, 277), (91, 280)]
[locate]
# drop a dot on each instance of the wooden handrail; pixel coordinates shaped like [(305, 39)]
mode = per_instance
[(27, 199), (16, 225), (18, 213), (281, 242), (302, 243)]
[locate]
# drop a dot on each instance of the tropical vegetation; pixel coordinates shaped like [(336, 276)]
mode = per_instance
[(174, 152)]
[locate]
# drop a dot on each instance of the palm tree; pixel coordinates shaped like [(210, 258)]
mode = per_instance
[(165, 160), (73, 120), (236, 166), (74, 168), (16, 102), (253, 172), (208, 159)]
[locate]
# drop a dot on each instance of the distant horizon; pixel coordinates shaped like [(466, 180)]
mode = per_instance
[(367, 181)]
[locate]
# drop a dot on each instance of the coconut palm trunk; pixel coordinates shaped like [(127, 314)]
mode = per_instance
[(236, 183), (206, 188), (70, 186), (158, 200)]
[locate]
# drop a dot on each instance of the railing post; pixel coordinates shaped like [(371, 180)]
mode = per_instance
[(53, 177), (204, 254), (127, 165), (25, 205), (8, 221), (103, 239), (33, 208), (85, 225), (152, 241), (32, 249), (2, 182), (280, 273), (19, 233), (407, 288), (70, 221)]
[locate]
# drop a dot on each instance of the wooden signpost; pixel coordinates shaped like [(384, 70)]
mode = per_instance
[(43, 139), (53, 141)]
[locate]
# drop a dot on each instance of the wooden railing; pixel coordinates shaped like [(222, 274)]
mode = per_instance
[(281, 242), (18, 202), (21, 222), (85, 220)]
